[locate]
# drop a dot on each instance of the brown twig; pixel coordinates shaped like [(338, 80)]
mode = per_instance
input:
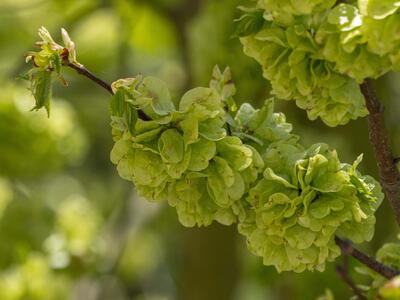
[(85, 72), (388, 172), (343, 272), (349, 250)]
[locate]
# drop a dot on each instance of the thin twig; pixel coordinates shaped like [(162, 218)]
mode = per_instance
[(85, 72), (343, 272), (388, 172), (348, 249), (347, 279)]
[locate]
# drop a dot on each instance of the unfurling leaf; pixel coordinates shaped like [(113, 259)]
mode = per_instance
[(42, 89)]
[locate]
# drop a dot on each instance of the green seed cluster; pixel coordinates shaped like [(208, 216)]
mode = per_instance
[(183, 156), (301, 204), (249, 169), (317, 54), (363, 40), (379, 286), (213, 161)]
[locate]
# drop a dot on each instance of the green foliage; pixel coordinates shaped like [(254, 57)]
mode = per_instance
[(56, 233), (302, 203), (49, 59), (179, 154), (48, 143), (380, 287), (291, 61), (327, 296), (349, 40), (33, 280), (210, 45), (214, 161), (41, 89), (389, 254), (289, 202), (42, 256), (391, 290), (317, 54), (249, 23), (108, 35), (285, 12)]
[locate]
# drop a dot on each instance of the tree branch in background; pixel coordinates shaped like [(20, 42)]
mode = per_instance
[(343, 272), (180, 17), (388, 172), (349, 250)]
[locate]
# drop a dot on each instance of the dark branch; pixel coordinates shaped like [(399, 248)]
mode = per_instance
[(348, 249), (85, 72), (388, 172), (343, 272)]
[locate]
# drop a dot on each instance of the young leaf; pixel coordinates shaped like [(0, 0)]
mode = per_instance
[(249, 23), (42, 89)]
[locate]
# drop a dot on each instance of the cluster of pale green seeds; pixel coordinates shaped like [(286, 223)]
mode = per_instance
[(213, 161), (248, 169), (318, 52)]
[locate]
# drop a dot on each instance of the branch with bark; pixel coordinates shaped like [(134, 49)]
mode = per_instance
[(82, 70), (85, 72), (388, 172), (349, 250)]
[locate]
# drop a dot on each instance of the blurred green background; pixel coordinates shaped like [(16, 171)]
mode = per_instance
[(70, 228)]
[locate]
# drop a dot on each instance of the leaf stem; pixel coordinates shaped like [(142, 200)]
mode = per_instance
[(388, 172)]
